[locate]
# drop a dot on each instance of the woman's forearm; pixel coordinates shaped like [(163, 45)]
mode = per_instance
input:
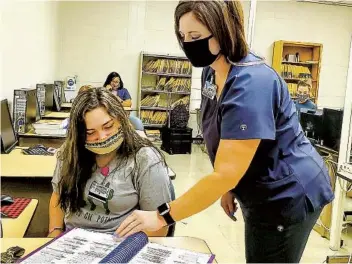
[(56, 215), (203, 194)]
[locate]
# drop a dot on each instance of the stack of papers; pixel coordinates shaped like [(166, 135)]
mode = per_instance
[(49, 127)]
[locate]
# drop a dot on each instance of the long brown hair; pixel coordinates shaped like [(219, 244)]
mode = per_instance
[(224, 19), (78, 163)]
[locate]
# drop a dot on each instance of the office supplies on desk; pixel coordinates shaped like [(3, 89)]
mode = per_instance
[(12, 254), (16, 208), (39, 150), (50, 127), (83, 246), (8, 135)]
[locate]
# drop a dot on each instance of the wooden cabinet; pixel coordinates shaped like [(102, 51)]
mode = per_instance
[(296, 61)]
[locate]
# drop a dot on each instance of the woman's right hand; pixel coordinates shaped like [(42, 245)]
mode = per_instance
[(109, 87), (229, 205)]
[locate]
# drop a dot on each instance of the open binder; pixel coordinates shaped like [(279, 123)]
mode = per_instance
[(83, 246)]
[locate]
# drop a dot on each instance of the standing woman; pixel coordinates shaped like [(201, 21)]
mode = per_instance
[(114, 83), (255, 142)]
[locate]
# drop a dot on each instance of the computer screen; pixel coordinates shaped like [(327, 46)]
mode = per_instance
[(8, 136), (312, 123), (332, 128)]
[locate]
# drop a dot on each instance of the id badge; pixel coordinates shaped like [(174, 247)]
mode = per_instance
[(209, 90), (98, 192)]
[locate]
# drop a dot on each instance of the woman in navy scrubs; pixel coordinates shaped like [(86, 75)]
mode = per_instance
[(258, 150)]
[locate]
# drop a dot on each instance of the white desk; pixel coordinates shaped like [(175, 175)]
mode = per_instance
[(17, 227)]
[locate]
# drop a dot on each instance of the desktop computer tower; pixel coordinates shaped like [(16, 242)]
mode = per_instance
[(24, 109), (312, 123), (41, 98), (59, 88), (49, 96)]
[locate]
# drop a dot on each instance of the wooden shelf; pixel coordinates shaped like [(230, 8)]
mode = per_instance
[(154, 125), (302, 63), (154, 108), (295, 79), (168, 74), (165, 92), (309, 54)]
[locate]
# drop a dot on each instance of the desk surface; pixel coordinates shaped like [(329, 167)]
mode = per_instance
[(57, 115), (17, 164), (16, 228), (190, 243), (32, 134)]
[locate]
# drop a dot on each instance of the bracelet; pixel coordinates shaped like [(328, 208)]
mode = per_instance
[(55, 228)]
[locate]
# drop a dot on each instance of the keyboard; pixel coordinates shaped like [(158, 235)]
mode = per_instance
[(39, 150)]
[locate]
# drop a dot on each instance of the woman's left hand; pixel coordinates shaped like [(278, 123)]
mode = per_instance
[(140, 221)]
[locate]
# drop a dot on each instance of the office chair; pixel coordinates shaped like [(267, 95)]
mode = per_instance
[(137, 123)]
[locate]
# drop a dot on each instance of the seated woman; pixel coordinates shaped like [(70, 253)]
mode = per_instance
[(105, 170), (114, 83)]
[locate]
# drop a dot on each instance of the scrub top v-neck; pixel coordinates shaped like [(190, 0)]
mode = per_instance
[(287, 178)]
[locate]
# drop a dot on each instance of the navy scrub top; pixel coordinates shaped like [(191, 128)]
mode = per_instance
[(287, 178)]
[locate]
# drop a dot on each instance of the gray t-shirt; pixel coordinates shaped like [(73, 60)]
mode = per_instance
[(147, 189)]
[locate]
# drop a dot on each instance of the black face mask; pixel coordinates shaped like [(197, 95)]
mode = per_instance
[(198, 52)]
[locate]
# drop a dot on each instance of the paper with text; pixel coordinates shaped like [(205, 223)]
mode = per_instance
[(76, 246), (155, 253)]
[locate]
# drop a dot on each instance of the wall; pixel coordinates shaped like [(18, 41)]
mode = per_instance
[(92, 44), (29, 44), (309, 22)]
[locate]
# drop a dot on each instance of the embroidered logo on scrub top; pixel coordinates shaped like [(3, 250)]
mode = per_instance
[(243, 127)]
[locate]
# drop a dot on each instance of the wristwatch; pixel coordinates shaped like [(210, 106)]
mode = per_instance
[(164, 211)]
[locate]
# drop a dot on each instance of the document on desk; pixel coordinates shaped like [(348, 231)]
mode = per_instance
[(82, 246), (76, 246), (155, 253)]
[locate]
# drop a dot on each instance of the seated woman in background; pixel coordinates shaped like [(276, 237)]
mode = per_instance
[(105, 170), (114, 83)]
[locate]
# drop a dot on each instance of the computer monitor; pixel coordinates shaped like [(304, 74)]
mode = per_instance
[(8, 136), (332, 128), (312, 123)]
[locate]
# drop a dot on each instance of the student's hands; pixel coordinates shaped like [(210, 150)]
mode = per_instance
[(229, 205), (140, 221)]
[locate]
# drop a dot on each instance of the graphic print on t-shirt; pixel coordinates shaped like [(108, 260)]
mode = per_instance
[(99, 192)]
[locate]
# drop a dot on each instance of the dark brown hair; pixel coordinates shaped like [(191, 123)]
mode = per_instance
[(78, 163), (224, 19), (303, 83)]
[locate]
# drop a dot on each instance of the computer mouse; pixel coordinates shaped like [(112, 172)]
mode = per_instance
[(6, 200)]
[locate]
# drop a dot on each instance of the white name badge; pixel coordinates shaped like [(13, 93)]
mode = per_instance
[(99, 192), (209, 90)]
